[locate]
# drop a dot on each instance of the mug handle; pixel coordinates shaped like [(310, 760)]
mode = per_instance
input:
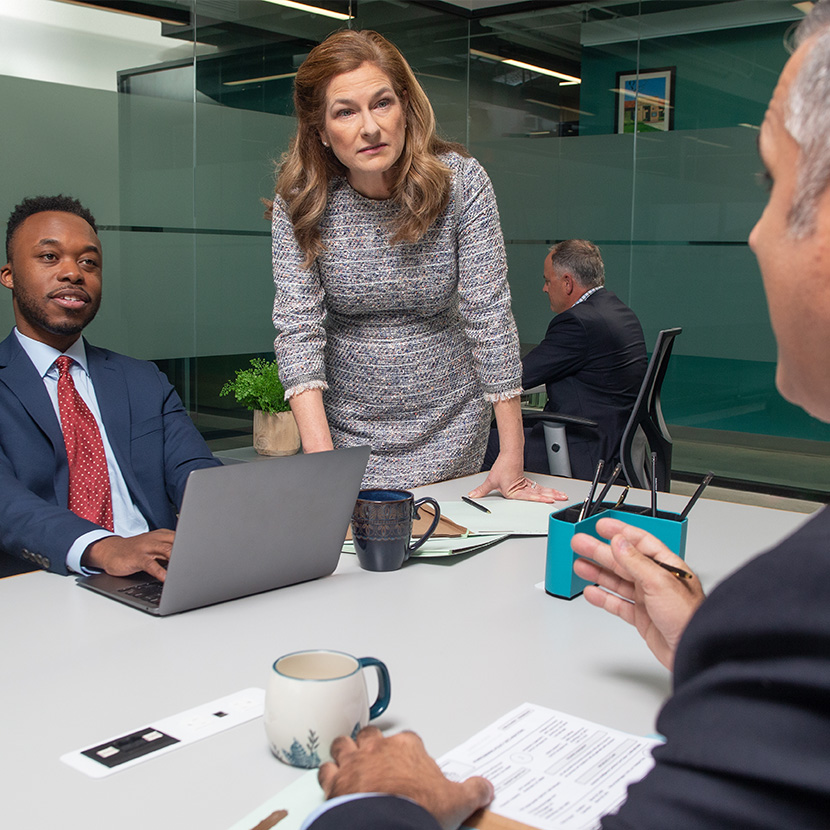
[(384, 686), (432, 527)]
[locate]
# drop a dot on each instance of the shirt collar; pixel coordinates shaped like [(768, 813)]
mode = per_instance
[(588, 294), (44, 356)]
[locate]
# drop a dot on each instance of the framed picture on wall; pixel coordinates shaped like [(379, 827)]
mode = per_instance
[(645, 99)]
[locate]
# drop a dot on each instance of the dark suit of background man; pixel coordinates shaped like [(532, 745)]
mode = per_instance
[(54, 273), (592, 360), (748, 726)]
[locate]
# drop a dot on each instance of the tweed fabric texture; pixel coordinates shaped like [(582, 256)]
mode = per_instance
[(409, 341)]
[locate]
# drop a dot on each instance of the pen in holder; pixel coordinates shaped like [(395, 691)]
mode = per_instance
[(560, 580)]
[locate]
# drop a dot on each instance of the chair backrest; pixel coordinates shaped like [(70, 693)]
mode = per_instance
[(646, 430)]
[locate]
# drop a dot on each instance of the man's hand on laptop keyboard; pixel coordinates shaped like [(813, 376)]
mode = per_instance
[(118, 556)]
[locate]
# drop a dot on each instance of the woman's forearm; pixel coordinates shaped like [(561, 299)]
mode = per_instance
[(311, 420), (509, 424)]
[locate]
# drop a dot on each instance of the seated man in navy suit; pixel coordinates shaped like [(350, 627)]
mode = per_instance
[(95, 447), (592, 361), (748, 726)]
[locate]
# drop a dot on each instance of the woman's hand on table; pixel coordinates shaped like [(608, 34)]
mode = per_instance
[(631, 586), (508, 479), (507, 474)]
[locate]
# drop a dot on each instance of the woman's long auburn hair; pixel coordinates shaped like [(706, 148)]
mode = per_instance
[(422, 185)]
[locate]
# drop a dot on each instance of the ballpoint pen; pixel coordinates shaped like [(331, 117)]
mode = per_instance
[(608, 485), (696, 495), (583, 509), (654, 484), (585, 512), (622, 498), (678, 572), (475, 504)]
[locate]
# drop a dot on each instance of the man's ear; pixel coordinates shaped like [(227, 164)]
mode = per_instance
[(6, 276), (567, 283)]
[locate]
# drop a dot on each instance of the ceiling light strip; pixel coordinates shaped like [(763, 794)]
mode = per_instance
[(259, 80), (567, 80), (304, 7), (146, 16)]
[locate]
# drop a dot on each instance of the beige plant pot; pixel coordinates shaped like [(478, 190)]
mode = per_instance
[(276, 433)]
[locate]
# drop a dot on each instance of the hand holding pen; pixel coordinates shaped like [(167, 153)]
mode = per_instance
[(658, 601)]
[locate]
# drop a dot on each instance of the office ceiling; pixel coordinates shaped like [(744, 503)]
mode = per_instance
[(548, 34)]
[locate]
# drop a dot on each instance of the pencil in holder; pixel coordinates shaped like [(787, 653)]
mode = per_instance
[(561, 581)]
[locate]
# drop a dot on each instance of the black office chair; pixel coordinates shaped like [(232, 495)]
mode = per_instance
[(646, 431), (555, 428)]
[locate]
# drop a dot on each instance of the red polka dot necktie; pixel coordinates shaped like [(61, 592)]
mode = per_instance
[(90, 496)]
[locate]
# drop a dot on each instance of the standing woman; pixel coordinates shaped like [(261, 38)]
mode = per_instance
[(392, 307)]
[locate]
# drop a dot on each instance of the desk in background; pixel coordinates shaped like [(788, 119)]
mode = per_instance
[(466, 640)]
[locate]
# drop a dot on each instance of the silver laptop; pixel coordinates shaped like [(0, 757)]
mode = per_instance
[(247, 528)]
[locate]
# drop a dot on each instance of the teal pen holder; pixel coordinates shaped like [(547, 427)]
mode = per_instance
[(560, 579)]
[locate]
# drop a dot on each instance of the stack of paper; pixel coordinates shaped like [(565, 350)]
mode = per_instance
[(550, 770), (507, 517), (445, 546)]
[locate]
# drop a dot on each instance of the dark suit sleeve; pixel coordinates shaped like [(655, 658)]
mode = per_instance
[(184, 448), (383, 812), (155, 443), (562, 353), (154, 440), (33, 529), (748, 727)]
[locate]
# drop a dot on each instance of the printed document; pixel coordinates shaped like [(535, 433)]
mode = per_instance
[(551, 770)]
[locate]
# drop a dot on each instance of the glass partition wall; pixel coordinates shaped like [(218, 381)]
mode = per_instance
[(633, 124)]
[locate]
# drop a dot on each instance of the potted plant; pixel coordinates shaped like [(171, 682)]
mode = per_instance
[(259, 389)]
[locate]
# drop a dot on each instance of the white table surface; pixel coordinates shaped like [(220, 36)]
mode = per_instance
[(465, 639)]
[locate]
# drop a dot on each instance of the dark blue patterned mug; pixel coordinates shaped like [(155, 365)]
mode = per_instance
[(312, 697), (382, 527)]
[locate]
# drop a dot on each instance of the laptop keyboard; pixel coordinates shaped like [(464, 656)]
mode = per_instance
[(144, 591)]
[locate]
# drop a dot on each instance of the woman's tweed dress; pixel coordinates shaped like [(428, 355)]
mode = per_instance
[(410, 342)]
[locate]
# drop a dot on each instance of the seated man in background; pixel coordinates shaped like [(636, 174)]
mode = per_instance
[(748, 726), (592, 361), (95, 447)]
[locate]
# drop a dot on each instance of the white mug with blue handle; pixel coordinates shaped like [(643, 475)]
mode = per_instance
[(312, 697)]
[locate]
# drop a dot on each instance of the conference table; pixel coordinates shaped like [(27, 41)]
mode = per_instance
[(466, 640)]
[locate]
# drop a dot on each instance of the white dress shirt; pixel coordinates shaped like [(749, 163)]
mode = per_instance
[(126, 517)]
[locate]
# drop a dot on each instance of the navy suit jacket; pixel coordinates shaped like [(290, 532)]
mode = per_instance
[(381, 812), (748, 726), (154, 441), (592, 362)]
